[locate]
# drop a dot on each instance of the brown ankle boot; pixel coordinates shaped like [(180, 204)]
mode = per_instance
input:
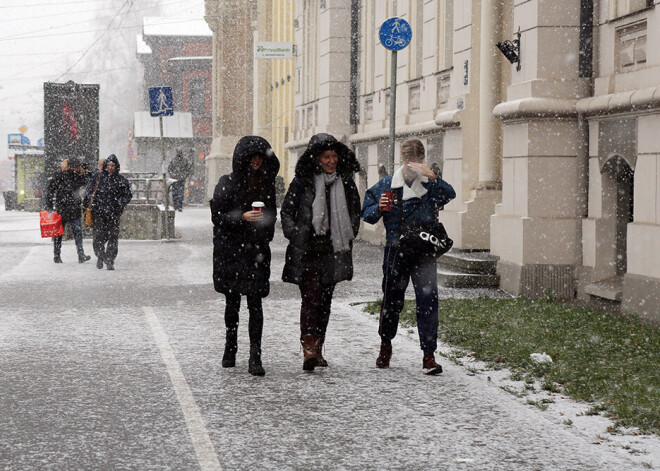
[(319, 352), (310, 358)]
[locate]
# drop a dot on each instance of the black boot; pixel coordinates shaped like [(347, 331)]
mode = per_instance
[(231, 346), (99, 263), (254, 365), (82, 258), (57, 259)]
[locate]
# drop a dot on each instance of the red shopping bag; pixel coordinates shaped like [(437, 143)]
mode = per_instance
[(51, 224)]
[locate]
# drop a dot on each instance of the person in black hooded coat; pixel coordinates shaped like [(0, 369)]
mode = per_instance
[(109, 193), (62, 196), (320, 218), (241, 238)]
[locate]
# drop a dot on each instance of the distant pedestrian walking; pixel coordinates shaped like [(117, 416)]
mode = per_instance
[(243, 212), (107, 193), (63, 197), (180, 168), (320, 217), (421, 192)]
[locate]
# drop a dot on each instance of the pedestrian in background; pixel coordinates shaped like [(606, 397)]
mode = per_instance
[(180, 169), (421, 192), (107, 194), (63, 197), (320, 218), (243, 212)]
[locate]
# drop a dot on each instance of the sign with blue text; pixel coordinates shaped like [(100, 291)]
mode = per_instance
[(161, 102), (395, 34), (17, 141)]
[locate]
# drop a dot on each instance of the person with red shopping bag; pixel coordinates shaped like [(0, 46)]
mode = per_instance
[(62, 197)]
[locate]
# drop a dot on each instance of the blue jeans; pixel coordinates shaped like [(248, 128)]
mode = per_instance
[(77, 236), (397, 273)]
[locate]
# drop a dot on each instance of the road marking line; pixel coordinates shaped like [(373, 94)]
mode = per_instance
[(206, 456)]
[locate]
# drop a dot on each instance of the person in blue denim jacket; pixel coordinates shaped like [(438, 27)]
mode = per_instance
[(419, 193)]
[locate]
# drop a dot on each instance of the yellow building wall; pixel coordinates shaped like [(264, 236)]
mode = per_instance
[(282, 84)]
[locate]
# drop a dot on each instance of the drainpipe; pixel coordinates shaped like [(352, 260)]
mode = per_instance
[(586, 38), (488, 95), (353, 113)]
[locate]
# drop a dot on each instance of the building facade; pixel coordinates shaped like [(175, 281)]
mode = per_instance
[(554, 156), (176, 52), (251, 95)]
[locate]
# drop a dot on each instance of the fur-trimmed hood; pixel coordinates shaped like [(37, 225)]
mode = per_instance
[(248, 146), (308, 166)]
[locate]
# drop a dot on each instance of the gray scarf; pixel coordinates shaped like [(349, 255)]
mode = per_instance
[(341, 229)]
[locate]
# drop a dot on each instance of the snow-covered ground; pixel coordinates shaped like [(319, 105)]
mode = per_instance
[(126, 364)]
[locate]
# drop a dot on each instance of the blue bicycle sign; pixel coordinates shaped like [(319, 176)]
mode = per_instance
[(395, 34)]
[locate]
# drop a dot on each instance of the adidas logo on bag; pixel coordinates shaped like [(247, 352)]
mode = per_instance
[(425, 236)]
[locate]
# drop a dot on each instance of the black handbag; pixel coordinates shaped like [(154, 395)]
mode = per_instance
[(422, 240)]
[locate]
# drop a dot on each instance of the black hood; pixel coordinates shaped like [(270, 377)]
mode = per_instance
[(112, 158), (307, 164), (246, 147)]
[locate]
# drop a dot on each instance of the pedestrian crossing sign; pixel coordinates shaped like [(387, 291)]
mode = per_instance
[(161, 102)]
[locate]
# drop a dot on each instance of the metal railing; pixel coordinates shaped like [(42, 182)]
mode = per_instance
[(146, 190)]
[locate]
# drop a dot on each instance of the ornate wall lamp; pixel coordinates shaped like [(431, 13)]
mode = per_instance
[(511, 49)]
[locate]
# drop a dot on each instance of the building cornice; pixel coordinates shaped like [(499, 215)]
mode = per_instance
[(449, 119), (536, 108), (427, 127), (634, 100)]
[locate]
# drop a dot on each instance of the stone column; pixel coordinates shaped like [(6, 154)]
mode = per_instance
[(334, 68), (232, 24), (536, 229)]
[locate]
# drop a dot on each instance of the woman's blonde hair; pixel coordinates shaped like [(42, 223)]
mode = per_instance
[(64, 165), (412, 149)]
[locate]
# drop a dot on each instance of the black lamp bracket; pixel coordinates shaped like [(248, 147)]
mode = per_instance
[(511, 49)]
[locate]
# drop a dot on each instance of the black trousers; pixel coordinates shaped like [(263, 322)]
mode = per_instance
[(256, 322), (106, 238), (316, 297)]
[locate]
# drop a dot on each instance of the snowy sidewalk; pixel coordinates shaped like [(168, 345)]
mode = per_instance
[(82, 363)]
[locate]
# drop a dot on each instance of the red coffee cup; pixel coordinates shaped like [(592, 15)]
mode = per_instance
[(258, 206), (390, 200)]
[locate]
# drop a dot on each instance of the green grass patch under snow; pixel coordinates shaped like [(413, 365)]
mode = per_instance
[(611, 360)]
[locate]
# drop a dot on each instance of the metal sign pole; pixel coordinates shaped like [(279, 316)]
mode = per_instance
[(395, 34), (166, 229), (392, 112), (161, 103)]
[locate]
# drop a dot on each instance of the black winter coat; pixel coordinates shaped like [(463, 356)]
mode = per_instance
[(180, 168), (63, 197), (297, 212), (112, 195), (241, 251)]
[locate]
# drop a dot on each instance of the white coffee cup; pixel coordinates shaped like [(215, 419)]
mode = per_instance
[(258, 206)]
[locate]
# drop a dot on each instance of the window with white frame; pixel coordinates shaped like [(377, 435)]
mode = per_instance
[(443, 89), (620, 8), (368, 107), (414, 91), (631, 46)]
